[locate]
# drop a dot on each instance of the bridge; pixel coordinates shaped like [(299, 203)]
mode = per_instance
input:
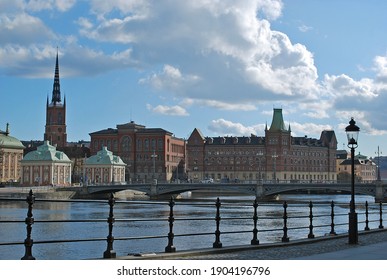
[(376, 189)]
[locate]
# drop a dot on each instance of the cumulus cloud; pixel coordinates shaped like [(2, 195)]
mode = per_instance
[(23, 29), (309, 129), (225, 127), (224, 47), (36, 61), (219, 54), (39, 5), (170, 79), (380, 63), (168, 110)]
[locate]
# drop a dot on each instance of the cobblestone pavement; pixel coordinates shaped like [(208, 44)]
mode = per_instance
[(301, 249)]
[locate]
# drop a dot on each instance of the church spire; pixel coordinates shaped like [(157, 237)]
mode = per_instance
[(56, 87)]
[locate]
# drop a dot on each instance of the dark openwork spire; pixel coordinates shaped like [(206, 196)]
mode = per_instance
[(56, 87)]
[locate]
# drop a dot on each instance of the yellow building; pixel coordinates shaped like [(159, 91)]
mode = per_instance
[(365, 169), (11, 153)]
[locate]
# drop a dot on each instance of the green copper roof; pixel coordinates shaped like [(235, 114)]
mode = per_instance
[(277, 124), (46, 152), (10, 142), (104, 157)]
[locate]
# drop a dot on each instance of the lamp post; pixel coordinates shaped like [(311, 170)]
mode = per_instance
[(154, 156), (259, 155), (352, 132), (379, 178)]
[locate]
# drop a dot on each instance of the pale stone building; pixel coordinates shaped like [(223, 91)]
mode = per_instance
[(46, 166), (104, 168)]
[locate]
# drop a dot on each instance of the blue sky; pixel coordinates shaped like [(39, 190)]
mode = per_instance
[(220, 66)]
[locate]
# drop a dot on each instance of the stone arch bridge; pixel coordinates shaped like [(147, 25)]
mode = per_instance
[(377, 189)]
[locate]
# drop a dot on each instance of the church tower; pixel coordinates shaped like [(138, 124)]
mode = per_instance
[(55, 130)]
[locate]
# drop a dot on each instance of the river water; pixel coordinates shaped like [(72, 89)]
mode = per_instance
[(192, 215)]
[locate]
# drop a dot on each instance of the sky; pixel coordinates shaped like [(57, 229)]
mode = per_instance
[(221, 66)]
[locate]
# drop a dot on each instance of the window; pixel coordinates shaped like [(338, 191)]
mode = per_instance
[(160, 145), (153, 141), (126, 144)]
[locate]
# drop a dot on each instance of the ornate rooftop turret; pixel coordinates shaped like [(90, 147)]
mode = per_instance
[(277, 123)]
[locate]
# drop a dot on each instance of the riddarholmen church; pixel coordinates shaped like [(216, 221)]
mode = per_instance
[(56, 130), (275, 157)]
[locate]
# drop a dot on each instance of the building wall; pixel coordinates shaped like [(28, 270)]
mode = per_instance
[(277, 156), (10, 164), (45, 173), (55, 130), (104, 174), (149, 153)]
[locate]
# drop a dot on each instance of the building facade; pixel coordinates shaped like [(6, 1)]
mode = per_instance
[(105, 168), (55, 129), (11, 153), (275, 157), (149, 153), (46, 166), (365, 169)]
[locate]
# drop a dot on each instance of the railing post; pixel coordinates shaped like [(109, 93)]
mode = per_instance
[(285, 238), (217, 243), (28, 242), (255, 240), (170, 248), (110, 253), (381, 215), (366, 215), (332, 219), (310, 235)]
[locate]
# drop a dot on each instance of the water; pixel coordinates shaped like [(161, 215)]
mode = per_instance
[(270, 216)]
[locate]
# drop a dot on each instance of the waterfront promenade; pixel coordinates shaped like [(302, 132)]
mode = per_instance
[(372, 246)]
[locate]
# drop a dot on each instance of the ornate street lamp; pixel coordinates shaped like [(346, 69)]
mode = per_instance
[(352, 132)]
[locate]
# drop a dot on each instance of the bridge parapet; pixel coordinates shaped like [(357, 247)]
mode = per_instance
[(154, 190)]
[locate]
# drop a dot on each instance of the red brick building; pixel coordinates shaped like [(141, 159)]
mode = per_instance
[(276, 156), (148, 152)]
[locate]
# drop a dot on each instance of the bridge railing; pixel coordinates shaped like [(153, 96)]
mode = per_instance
[(229, 223)]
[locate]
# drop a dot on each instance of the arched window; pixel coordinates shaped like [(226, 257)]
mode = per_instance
[(146, 145), (139, 144), (160, 145), (126, 144), (153, 144)]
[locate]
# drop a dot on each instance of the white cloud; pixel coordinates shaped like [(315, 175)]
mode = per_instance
[(310, 129), (305, 28), (225, 127), (224, 106), (36, 61), (170, 79), (380, 63), (39, 5), (23, 29), (221, 45), (168, 110), (345, 86), (218, 54)]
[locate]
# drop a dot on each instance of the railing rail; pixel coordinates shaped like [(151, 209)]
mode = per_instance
[(311, 222)]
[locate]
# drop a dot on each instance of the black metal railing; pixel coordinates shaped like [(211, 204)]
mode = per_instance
[(230, 218)]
